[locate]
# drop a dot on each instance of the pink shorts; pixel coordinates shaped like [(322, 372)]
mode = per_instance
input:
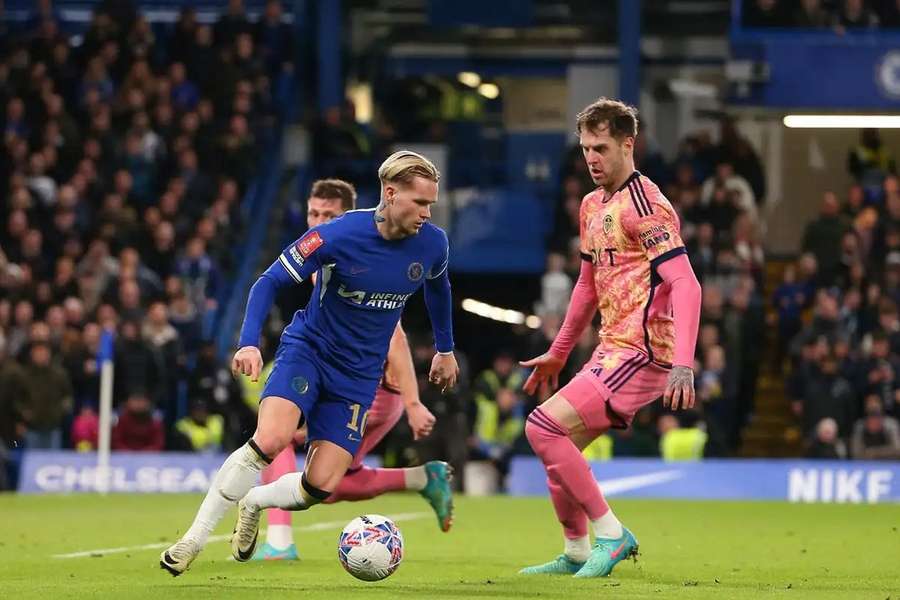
[(387, 408), (612, 386)]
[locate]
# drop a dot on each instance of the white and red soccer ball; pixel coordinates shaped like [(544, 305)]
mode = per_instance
[(371, 547)]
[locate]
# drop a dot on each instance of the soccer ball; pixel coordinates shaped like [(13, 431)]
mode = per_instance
[(371, 547)]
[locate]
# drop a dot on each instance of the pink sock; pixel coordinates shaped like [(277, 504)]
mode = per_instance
[(284, 463), (569, 513), (366, 482), (565, 465)]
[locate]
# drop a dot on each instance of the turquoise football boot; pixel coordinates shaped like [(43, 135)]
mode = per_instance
[(561, 565), (267, 552), (607, 553), (439, 493)]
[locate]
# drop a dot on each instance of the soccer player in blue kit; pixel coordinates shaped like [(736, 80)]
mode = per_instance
[(332, 354)]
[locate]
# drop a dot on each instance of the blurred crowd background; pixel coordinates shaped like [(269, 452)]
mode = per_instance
[(137, 198)]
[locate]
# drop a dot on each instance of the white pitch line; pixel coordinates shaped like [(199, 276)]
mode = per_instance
[(221, 538)]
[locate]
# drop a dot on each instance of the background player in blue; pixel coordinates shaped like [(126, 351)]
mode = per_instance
[(331, 356)]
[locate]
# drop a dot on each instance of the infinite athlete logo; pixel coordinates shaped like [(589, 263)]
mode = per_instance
[(415, 271)]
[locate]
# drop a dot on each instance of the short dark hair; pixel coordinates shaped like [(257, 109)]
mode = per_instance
[(335, 189), (620, 118)]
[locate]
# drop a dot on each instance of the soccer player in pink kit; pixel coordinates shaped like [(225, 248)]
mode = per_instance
[(635, 271), (329, 199)]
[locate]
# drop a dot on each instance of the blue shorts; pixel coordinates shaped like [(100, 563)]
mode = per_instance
[(333, 403)]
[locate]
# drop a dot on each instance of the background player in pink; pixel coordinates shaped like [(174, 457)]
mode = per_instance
[(636, 273), (329, 199)]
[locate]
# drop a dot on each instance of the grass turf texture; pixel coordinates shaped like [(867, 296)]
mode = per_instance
[(688, 550)]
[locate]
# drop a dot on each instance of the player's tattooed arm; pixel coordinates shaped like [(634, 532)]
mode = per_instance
[(379, 217), (680, 388)]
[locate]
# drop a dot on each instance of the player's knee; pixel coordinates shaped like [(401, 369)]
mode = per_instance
[(272, 441), (540, 429)]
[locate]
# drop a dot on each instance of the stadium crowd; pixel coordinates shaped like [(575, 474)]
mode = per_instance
[(839, 15), (124, 160), (844, 381)]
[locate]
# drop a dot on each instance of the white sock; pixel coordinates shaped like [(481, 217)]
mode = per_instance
[(280, 536), (232, 482), (579, 549), (283, 493), (607, 526), (416, 478)]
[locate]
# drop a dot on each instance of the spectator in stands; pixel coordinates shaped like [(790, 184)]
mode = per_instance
[(789, 300), (715, 391), (138, 428), (871, 161), (881, 371), (451, 430), (826, 444), (85, 428), (199, 274), (232, 23), (702, 251), (47, 399), (556, 287), (853, 14), (812, 15), (201, 431), (822, 237), (765, 13), (136, 366), (12, 390), (163, 341), (274, 39), (677, 443), (736, 187), (875, 436), (499, 424), (213, 383), (826, 394), (737, 150)]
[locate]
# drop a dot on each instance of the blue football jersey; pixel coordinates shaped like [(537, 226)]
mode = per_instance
[(363, 284)]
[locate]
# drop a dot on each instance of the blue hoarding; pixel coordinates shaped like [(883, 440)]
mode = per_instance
[(791, 480), (129, 472)]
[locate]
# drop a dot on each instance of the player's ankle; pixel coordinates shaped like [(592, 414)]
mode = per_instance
[(415, 478)]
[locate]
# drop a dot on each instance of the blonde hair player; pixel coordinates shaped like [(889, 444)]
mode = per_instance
[(399, 391), (635, 272), (330, 360)]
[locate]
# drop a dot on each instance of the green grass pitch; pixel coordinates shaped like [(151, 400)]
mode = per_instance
[(688, 550)]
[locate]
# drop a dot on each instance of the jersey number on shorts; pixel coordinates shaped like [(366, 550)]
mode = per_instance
[(357, 424)]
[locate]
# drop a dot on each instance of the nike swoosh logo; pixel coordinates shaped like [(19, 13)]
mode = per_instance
[(618, 550), (626, 484), (358, 270), (246, 555), (169, 565)]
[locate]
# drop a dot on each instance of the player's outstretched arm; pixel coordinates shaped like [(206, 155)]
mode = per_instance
[(296, 263), (401, 372), (439, 302), (545, 376), (686, 297)]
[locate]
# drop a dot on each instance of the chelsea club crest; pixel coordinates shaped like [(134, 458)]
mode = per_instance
[(415, 271)]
